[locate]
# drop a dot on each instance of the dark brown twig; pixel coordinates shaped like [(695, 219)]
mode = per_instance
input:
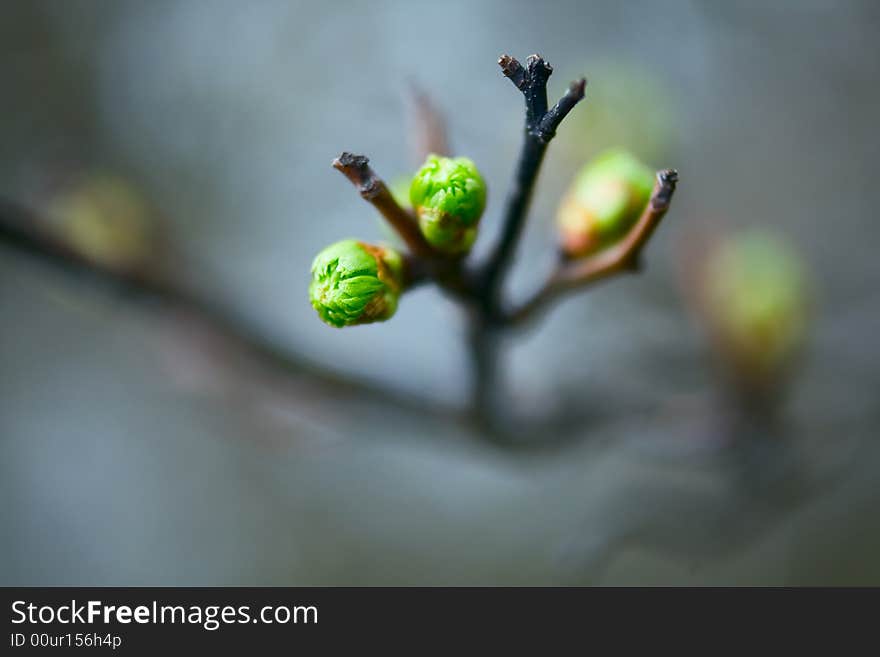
[(373, 190), (620, 258)]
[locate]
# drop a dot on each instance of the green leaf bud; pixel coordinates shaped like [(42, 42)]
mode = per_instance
[(754, 296), (356, 283), (604, 201), (449, 196), (107, 220)]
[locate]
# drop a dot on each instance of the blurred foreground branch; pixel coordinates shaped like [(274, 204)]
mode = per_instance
[(24, 232)]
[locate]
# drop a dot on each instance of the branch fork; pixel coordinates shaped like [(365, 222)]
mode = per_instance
[(531, 80), (540, 128), (479, 287)]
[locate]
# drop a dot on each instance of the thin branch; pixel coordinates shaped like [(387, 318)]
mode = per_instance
[(553, 117), (537, 73), (373, 190), (620, 258), (540, 127), (428, 127), (483, 346), (513, 70)]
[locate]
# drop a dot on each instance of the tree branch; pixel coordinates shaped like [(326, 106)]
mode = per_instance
[(21, 230), (620, 258), (373, 190), (540, 127), (547, 127), (483, 346), (428, 127)]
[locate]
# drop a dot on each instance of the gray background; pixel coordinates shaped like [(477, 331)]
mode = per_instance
[(132, 451)]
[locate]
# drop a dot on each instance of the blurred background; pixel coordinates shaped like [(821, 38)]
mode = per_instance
[(138, 448)]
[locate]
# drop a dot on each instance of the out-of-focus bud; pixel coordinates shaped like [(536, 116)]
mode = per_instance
[(449, 196), (356, 283), (604, 201), (753, 295), (630, 106), (105, 219)]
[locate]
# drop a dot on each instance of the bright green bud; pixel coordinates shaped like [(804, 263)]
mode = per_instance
[(755, 299), (604, 201), (356, 283), (449, 196)]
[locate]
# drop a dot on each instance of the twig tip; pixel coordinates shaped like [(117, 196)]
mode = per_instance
[(667, 179), (538, 66), (510, 67), (346, 160)]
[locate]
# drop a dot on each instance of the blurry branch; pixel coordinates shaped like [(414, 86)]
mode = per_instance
[(23, 231), (622, 258), (374, 190), (429, 127)]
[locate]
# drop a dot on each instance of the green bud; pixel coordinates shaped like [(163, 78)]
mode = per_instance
[(604, 201), (755, 298), (356, 283), (106, 219), (449, 196)]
